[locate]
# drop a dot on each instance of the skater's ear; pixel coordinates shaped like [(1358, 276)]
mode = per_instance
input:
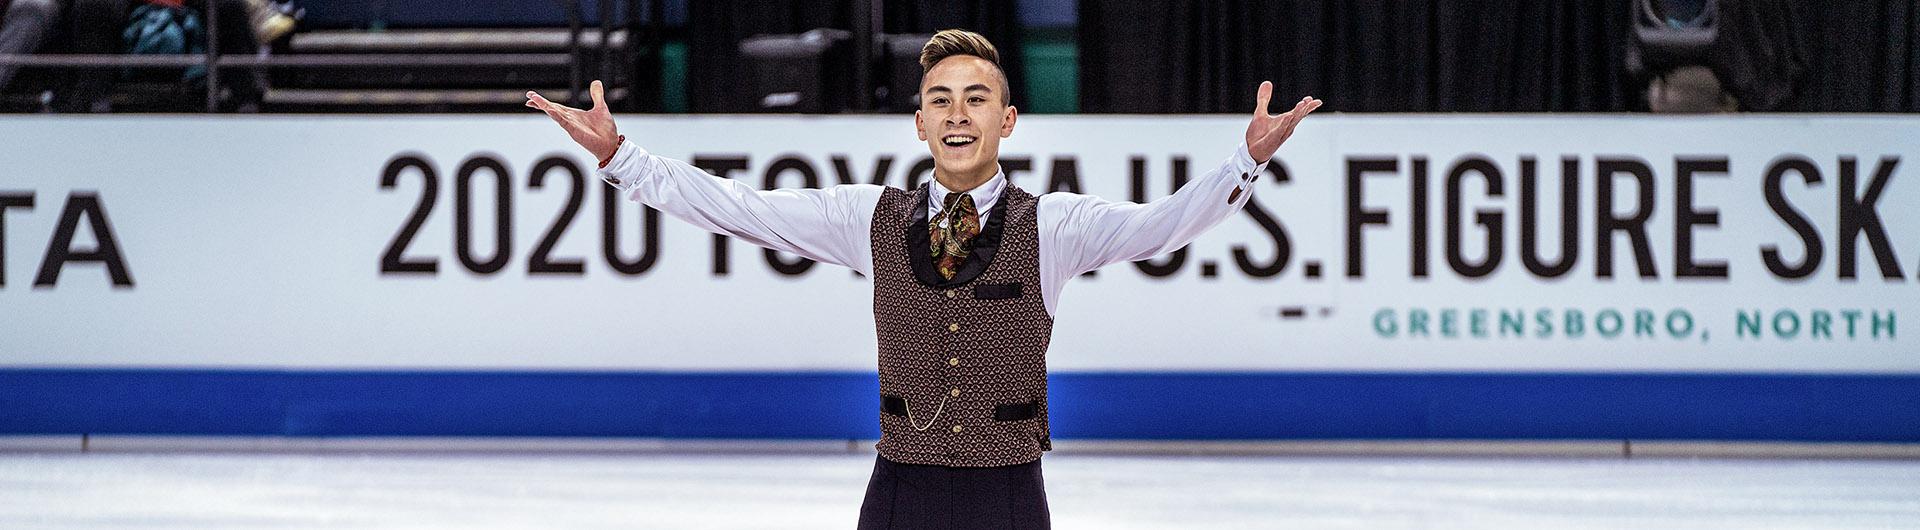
[(920, 125)]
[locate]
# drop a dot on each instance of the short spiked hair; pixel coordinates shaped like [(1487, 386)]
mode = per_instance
[(952, 42)]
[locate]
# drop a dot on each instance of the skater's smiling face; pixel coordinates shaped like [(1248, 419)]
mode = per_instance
[(964, 112)]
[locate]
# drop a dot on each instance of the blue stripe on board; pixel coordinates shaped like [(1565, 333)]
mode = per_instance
[(1158, 405)]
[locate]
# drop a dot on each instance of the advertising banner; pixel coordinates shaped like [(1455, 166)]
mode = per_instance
[(1406, 243)]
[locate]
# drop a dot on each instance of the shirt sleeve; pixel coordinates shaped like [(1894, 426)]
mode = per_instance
[(829, 225), (1079, 233)]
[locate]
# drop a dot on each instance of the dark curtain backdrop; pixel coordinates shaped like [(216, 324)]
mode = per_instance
[(1463, 55), (1863, 55), (1358, 55), (998, 20), (715, 29)]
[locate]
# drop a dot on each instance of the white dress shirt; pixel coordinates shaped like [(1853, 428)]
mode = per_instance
[(1078, 233)]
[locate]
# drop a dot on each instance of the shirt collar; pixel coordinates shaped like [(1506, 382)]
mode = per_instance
[(984, 195)]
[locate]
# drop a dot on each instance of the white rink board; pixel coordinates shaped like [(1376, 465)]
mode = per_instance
[(258, 242)]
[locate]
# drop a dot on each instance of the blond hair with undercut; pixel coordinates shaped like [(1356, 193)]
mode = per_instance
[(956, 42)]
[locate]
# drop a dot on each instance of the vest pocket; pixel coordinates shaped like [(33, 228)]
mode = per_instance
[(1015, 411), (894, 405), (996, 291)]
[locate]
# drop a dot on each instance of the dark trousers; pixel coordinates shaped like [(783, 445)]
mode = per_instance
[(918, 497)]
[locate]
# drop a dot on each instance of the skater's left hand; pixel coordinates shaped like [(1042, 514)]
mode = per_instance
[(1266, 132)]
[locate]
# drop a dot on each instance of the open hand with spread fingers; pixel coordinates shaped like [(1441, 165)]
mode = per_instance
[(592, 128), (1268, 131)]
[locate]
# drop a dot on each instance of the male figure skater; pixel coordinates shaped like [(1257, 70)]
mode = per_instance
[(966, 272)]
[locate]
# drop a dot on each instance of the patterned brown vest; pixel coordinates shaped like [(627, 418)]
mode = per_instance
[(963, 362)]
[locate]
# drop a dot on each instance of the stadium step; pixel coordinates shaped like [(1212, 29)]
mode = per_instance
[(418, 100), (525, 40), (548, 45)]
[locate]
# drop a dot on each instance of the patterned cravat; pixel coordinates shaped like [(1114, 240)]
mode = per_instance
[(953, 235)]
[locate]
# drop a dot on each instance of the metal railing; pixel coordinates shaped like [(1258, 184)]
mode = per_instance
[(214, 61)]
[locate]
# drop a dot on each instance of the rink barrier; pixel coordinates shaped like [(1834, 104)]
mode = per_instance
[(170, 444), (1083, 405)]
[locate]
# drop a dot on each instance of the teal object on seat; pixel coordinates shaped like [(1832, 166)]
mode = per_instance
[(161, 30)]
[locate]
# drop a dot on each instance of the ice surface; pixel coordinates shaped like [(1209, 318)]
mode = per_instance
[(721, 491)]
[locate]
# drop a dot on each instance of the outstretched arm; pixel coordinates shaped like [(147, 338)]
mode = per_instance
[(828, 225), (1089, 232)]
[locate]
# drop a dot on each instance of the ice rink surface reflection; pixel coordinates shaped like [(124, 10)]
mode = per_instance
[(725, 491)]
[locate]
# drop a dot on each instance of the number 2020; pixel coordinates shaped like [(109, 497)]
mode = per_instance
[(541, 261)]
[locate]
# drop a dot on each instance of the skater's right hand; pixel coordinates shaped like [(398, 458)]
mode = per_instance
[(592, 129)]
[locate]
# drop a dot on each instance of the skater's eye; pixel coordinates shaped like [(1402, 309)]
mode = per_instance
[(976, 100), (939, 101)]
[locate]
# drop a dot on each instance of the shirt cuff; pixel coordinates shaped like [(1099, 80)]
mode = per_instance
[(1243, 162), (624, 169)]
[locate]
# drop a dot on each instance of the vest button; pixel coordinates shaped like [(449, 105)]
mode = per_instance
[(950, 293), (953, 362), (955, 392), (957, 428), (953, 327)]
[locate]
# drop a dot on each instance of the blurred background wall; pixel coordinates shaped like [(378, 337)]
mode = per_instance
[(677, 56)]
